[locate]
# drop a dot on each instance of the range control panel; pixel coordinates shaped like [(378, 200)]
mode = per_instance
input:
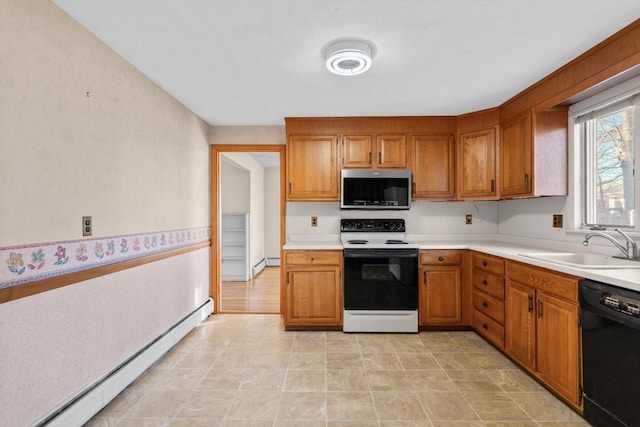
[(396, 225)]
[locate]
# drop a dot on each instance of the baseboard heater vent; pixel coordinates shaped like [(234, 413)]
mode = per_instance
[(95, 397), (258, 267), (273, 262)]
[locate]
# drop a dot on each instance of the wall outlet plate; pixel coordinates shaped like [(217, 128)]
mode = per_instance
[(314, 221), (468, 219), (87, 226), (557, 220)]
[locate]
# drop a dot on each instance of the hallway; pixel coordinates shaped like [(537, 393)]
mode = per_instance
[(259, 295)]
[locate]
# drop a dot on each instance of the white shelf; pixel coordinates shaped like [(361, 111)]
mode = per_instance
[(234, 247)]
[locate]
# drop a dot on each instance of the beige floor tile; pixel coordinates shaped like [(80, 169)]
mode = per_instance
[(309, 345), (160, 403), (564, 424), (375, 344), (342, 346), (407, 343), (299, 423), (145, 422), (543, 406), (247, 423), (457, 424), (352, 424), (170, 358), (99, 421), (455, 361), (198, 360), (178, 378), (255, 404), (495, 407), (223, 379), (205, 403), (307, 361), (244, 344), (305, 380), (396, 405), (388, 380), (196, 422), (514, 380), (122, 403), (344, 361), (350, 406), (430, 380), (473, 381), (234, 360), (423, 360), (492, 360), (404, 423), (303, 406), (446, 406), (263, 379), (511, 424), (277, 360), (276, 345), (347, 380), (381, 361), (441, 345)]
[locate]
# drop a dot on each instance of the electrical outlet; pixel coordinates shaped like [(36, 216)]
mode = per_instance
[(87, 226), (468, 219), (314, 221), (557, 220)]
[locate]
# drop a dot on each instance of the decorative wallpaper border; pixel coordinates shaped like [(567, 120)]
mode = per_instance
[(24, 264)]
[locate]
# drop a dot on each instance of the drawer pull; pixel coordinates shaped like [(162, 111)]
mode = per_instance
[(485, 326), (484, 282), (530, 308), (484, 304), (440, 258), (484, 263), (539, 309)]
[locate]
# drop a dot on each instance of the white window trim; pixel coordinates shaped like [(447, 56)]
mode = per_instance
[(577, 174)]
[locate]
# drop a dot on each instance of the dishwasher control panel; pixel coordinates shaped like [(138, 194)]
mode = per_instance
[(628, 306)]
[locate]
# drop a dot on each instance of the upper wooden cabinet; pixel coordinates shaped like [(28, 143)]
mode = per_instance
[(385, 151), (477, 165), (533, 154), (312, 168), (433, 167)]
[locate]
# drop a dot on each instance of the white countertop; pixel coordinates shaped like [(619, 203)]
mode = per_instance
[(624, 278)]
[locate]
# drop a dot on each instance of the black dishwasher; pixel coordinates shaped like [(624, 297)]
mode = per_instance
[(611, 354)]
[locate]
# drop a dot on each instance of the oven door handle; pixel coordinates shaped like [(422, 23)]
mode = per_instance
[(381, 253)]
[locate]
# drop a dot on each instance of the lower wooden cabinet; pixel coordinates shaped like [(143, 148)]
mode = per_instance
[(313, 289), (488, 297), (440, 288), (542, 330)]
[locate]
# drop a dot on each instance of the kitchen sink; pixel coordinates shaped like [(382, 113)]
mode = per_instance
[(583, 260)]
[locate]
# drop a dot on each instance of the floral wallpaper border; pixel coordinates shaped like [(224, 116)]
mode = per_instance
[(23, 264)]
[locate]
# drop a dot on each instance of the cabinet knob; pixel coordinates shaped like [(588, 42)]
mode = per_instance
[(484, 263), (485, 305), (312, 259), (484, 282), (440, 258), (485, 326)]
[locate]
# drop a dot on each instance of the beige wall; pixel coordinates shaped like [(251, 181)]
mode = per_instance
[(243, 135), (82, 132)]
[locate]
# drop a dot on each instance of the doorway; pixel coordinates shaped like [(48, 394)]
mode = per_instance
[(247, 211)]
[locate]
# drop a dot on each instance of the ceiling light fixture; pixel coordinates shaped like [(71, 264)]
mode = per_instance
[(348, 58)]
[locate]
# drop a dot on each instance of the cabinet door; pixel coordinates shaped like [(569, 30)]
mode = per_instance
[(391, 151), (520, 324), (516, 157), (433, 167), (558, 359), (357, 151), (312, 168), (477, 165), (313, 295), (440, 296)]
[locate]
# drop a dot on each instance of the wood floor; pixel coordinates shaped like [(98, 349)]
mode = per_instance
[(259, 295)]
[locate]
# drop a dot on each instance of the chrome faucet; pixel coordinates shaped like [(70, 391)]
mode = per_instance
[(629, 252)]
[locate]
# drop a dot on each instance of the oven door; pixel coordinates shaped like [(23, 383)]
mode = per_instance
[(381, 279)]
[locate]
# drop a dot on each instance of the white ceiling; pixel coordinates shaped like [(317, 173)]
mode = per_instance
[(254, 62)]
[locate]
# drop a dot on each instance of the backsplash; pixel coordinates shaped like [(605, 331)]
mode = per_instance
[(23, 264)]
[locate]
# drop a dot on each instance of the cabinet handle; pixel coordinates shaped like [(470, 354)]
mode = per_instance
[(484, 304), (379, 158), (539, 309), (526, 181), (485, 326), (369, 157), (287, 277), (484, 263), (530, 307), (290, 188), (493, 185), (424, 278), (484, 282), (440, 258)]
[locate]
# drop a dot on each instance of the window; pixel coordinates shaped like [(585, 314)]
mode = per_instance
[(609, 145)]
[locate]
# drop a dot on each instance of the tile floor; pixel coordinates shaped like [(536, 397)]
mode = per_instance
[(245, 370)]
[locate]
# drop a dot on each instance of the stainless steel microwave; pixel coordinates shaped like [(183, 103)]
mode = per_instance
[(375, 189)]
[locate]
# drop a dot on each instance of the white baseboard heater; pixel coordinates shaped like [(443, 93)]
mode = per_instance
[(95, 397)]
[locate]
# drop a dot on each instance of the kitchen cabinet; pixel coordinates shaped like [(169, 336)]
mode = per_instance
[(477, 165), (542, 330), (313, 289), (383, 151), (487, 281), (533, 154), (312, 168), (440, 292), (433, 167)]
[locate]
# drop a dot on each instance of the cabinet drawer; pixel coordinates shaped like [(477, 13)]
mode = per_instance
[(440, 257), (314, 257), (488, 283), (553, 283), (489, 305), (488, 328), (488, 263)]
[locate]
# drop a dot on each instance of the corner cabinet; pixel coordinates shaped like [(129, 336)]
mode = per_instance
[(440, 292), (533, 154), (542, 327), (312, 168), (312, 289), (433, 167), (388, 151), (477, 165)]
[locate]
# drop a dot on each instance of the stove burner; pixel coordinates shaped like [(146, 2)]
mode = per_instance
[(395, 242), (358, 242)]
